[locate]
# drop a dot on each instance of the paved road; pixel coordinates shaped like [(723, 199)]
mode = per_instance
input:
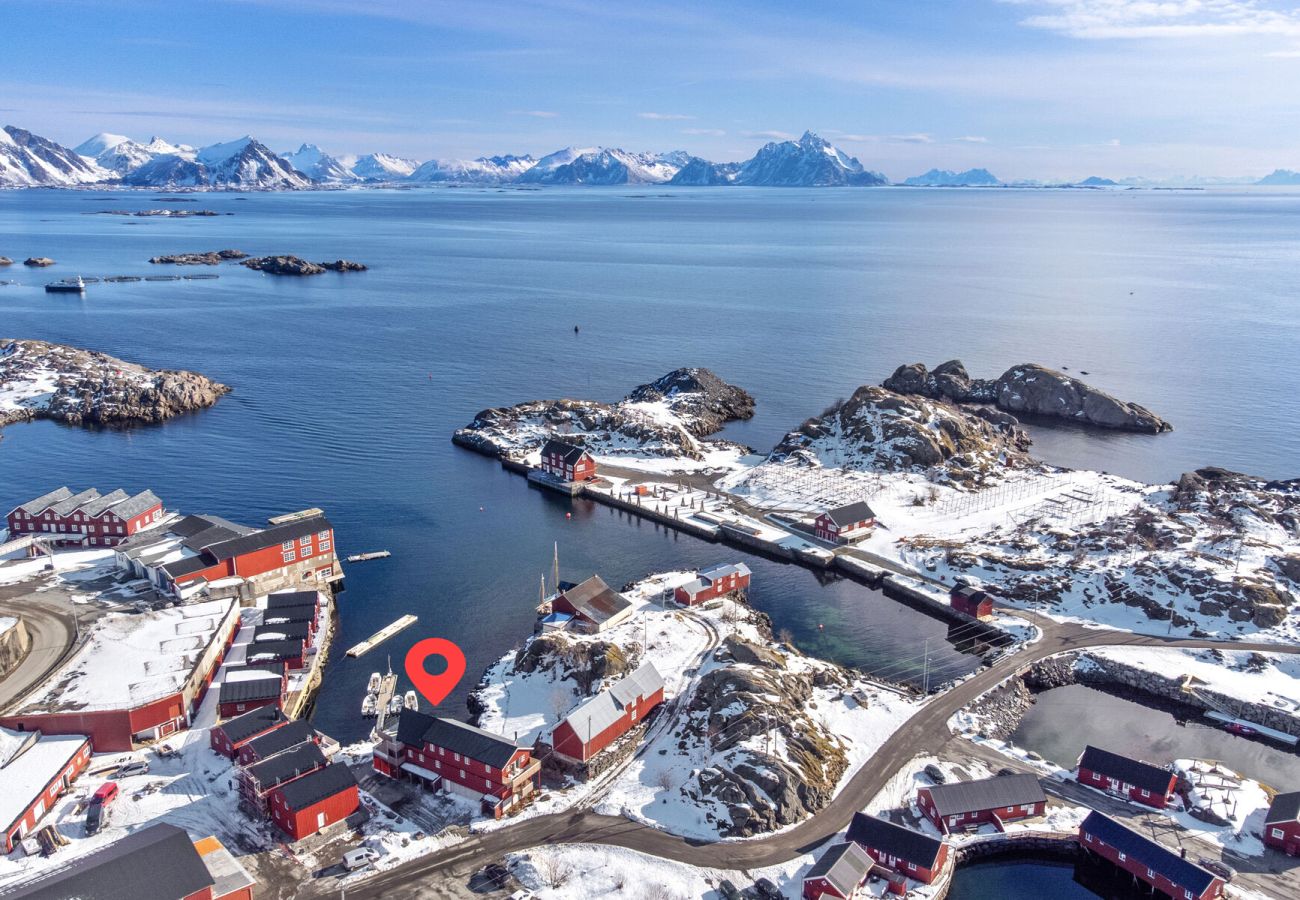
[(48, 617), (927, 729)]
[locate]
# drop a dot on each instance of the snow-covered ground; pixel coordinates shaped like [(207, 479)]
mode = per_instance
[(1242, 801), (70, 565), (1272, 679)]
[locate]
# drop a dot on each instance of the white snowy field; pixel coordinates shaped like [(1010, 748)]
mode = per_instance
[(1276, 683), (70, 565)]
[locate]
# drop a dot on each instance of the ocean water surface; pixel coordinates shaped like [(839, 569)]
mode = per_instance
[(347, 387)]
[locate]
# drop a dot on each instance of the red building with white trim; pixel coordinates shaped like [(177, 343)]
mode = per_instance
[(966, 804), (1282, 824), (902, 850), (710, 584), (1133, 779), (972, 601), (1146, 860), (838, 873), (227, 738), (35, 770), (461, 759), (301, 546), (314, 801), (248, 692), (845, 523), (86, 518), (609, 715), (567, 462)]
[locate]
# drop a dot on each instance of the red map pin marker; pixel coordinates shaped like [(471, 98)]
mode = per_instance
[(435, 688)]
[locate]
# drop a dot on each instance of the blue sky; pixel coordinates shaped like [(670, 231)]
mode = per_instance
[(1027, 88)]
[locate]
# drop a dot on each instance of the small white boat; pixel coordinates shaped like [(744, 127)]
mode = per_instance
[(395, 705), (369, 706), (412, 701), (373, 687)]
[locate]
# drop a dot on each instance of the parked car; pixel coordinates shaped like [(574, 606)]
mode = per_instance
[(359, 858), (100, 801), (765, 888), (1224, 871), (935, 774), (136, 767), (728, 890)]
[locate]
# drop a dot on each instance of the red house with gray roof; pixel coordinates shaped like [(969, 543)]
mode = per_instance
[(964, 804), (1147, 861), (1282, 824), (567, 462), (86, 518), (838, 872), (902, 850), (317, 800), (1138, 781), (594, 605), (609, 715), (845, 523), (710, 584)]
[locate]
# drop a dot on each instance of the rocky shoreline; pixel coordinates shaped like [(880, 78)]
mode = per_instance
[(85, 387), (293, 265), (211, 258)]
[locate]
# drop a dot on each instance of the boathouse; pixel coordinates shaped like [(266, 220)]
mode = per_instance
[(264, 746), (609, 715), (1138, 781), (290, 652), (1147, 861), (315, 801), (159, 862), (86, 518), (35, 770), (966, 804), (972, 601), (245, 694), (845, 523), (710, 584), (837, 873), (567, 462), (594, 605), (1282, 824), (257, 780), (902, 850), (444, 754), (228, 737)]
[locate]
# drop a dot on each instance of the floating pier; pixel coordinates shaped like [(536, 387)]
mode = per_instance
[(1248, 727), (373, 554), (382, 635)]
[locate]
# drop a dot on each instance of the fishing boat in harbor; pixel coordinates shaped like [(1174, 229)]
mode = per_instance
[(373, 554), (67, 286), (375, 680), (412, 701), (369, 706), (395, 705)]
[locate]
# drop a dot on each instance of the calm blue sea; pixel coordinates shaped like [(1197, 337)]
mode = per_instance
[(347, 387)]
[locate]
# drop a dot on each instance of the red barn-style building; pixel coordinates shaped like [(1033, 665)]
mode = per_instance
[(35, 771), (266, 745), (228, 737), (902, 850), (314, 801), (459, 758), (1282, 824), (159, 862), (838, 872), (1138, 781), (245, 694), (1147, 861), (964, 804), (710, 584), (297, 546), (567, 462), (594, 605), (87, 518), (845, 523), (609, 715), (972, 601), (257, 781)]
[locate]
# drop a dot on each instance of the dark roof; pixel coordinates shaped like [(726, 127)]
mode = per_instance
[(275, 650), (1285, 808), (1130, 771), (569, 452), (76, 501), (904, 843), (303, 792), (117, 872), (198, 532), (241, 728), (415, 728), (187, 566), (844, 865), (251, 689), (1154, 856), (970, 593), (277, 666), (847, 515), (987, 793), (268, 537), (297, 760), (99, 504), (289, 630), (282, 738), (292, 598), (290, 614), (596, 600)]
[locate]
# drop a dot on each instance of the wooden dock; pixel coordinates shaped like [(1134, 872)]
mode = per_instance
[(382, 635)]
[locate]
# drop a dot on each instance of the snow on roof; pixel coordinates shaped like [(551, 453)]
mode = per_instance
[(26, 775), (606, 708), (131, 658)]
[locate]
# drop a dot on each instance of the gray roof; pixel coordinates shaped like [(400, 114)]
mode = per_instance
[(43, 502), (985, 794), (606, 708), (1285, 808), (157, 862), (316, 786), (287, 765), (199, 531), (68, 504), (1140, 774), (289, 735), (99, 504), (251, 689), (133, 506), (1155, 856), (415, 728), (847, 515), (570, 453), (188, 565), (596, 600), (844, 865), (269, 537), (722, 571), (908, 845)]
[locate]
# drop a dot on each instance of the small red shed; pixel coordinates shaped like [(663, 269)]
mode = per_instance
[(1282, 824), (315, 801), (972, 601), (837, 873), (1138, 781), (609, 715), (710, 584), (567, 462), (240, 696)]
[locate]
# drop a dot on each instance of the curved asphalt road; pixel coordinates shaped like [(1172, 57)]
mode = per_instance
[(51, 632), (928, 728)]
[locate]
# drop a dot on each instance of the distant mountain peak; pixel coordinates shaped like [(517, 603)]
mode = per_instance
[(948, 178)]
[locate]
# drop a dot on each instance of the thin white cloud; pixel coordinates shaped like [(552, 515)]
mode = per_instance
[(971, 139), (535, 113), (769, 135), (1131, 19), (708, 132), (663, 117), (919, 138)]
